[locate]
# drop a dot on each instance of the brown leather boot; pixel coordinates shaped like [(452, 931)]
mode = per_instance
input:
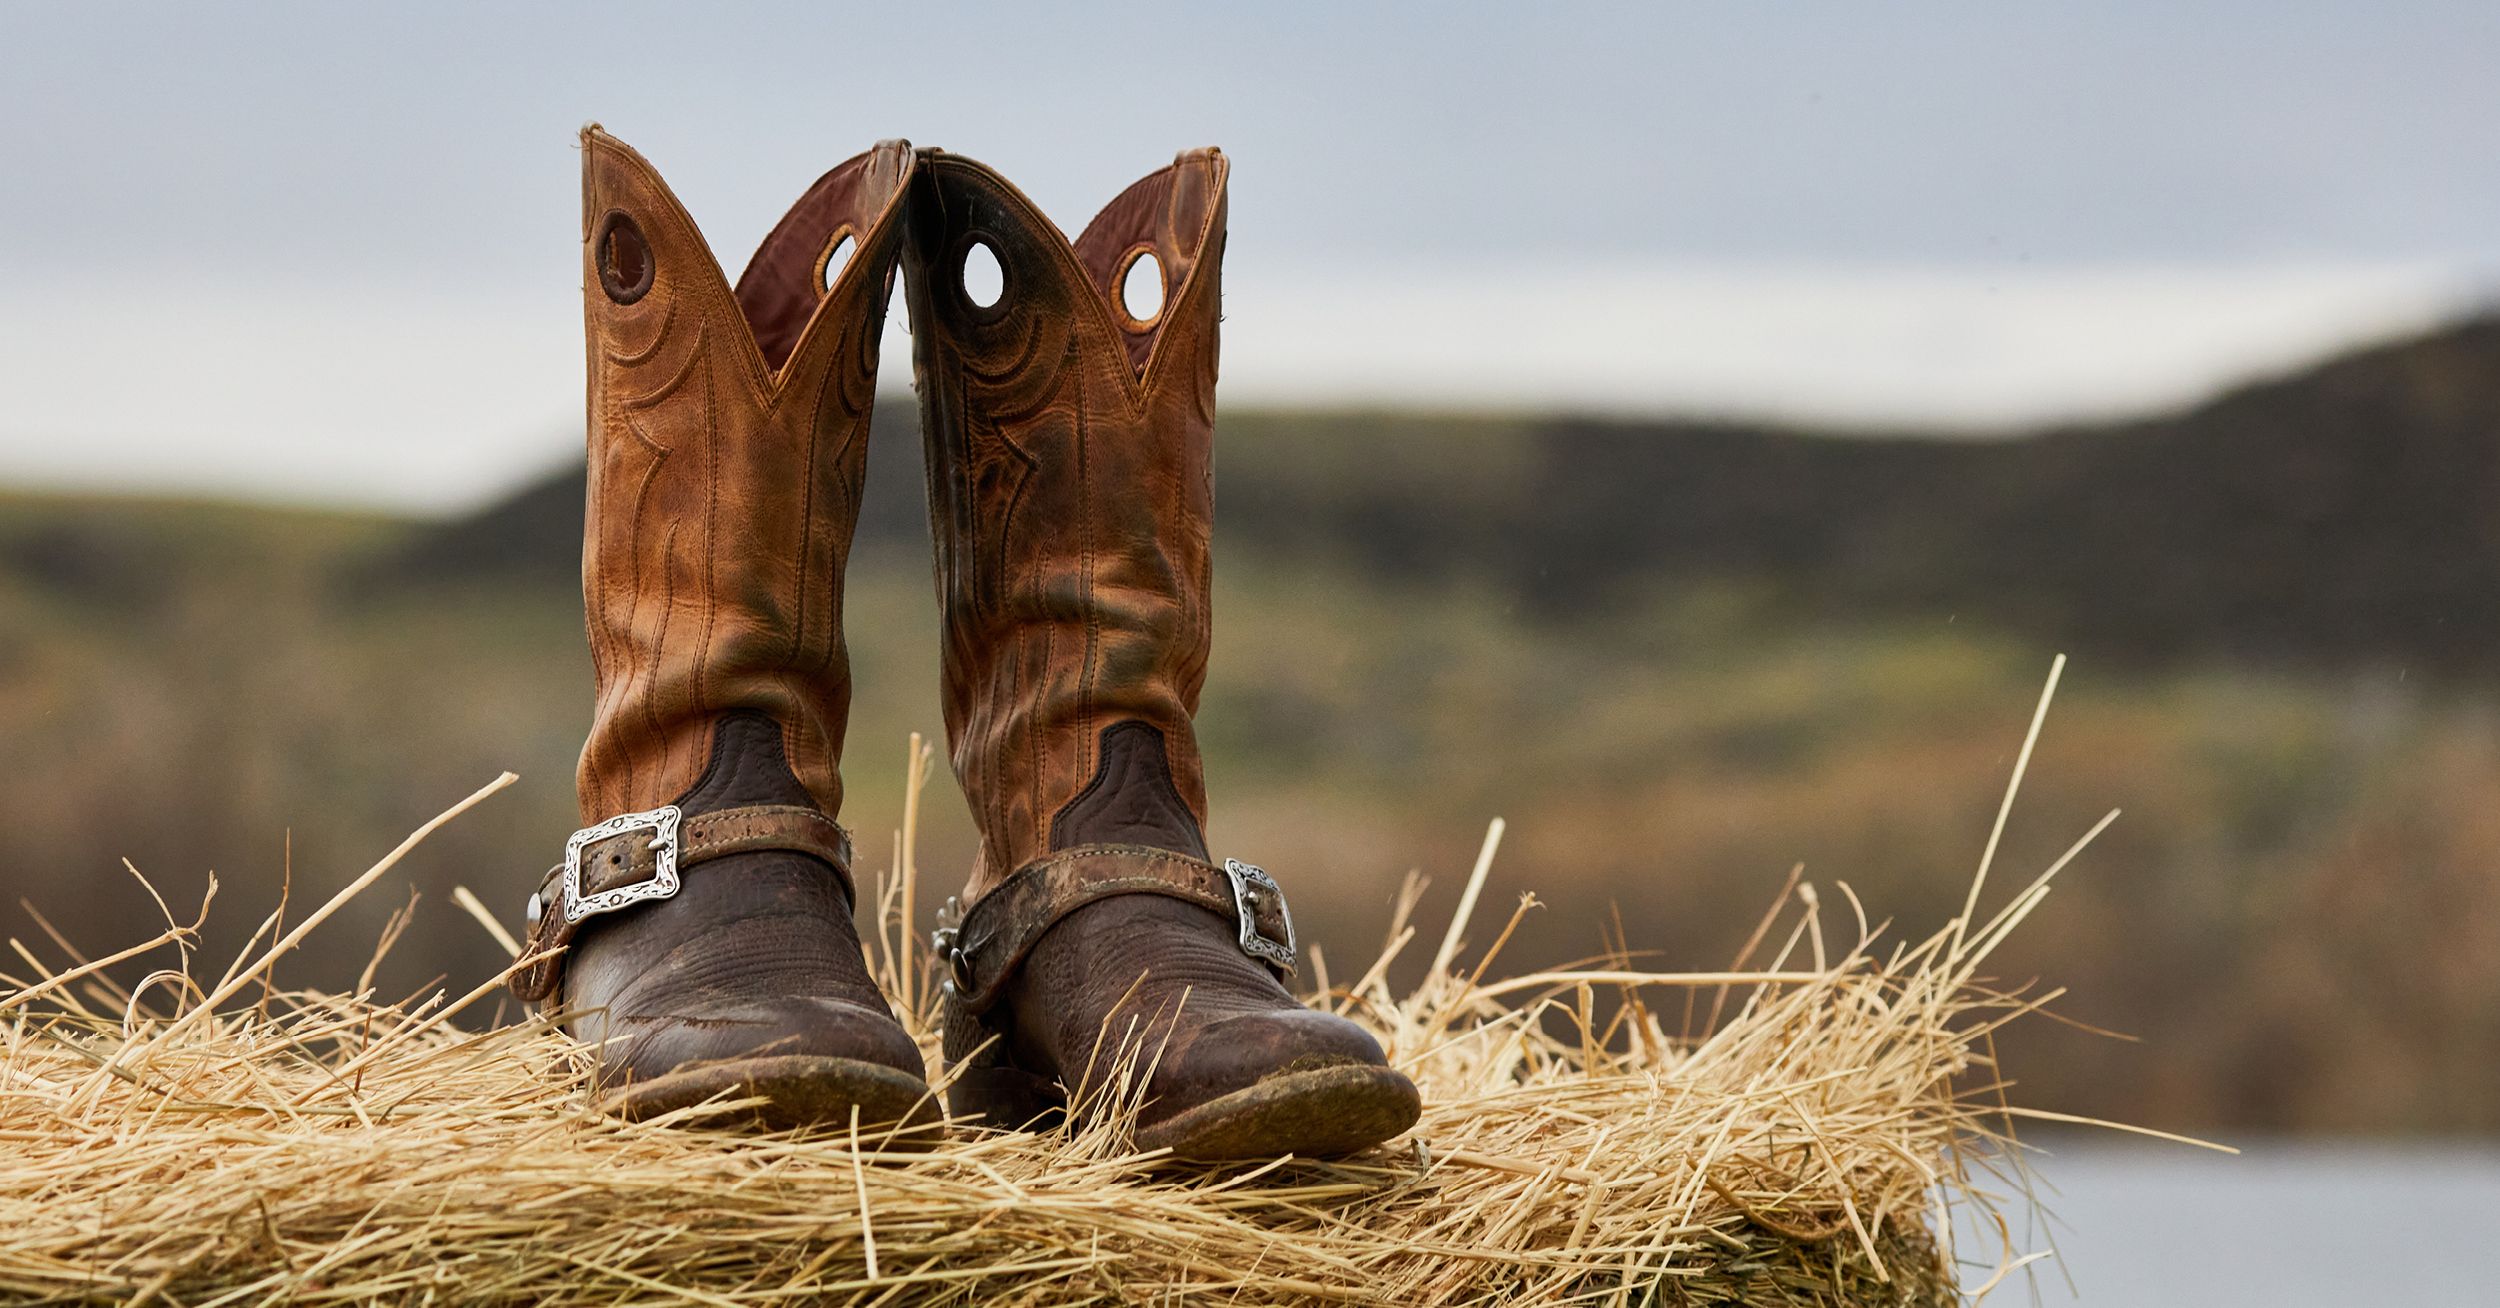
[(706, 908), (1070, 495)]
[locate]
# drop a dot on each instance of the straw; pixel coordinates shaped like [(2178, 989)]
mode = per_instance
[(319, 1148)]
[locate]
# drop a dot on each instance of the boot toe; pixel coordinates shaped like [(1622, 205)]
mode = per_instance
[(1236, 1053), (791, 1063), (1270, 1084), (816, 1027)]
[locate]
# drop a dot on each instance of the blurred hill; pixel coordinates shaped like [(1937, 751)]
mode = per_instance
[(2347, 512), (1678, 658)]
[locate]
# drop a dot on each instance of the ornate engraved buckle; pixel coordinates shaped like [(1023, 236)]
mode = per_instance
[(662, 883), (946, 943), (1252, 886)]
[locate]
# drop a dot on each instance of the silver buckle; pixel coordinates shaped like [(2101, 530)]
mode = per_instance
[(1251, 886), (945, 942), (662, 883)]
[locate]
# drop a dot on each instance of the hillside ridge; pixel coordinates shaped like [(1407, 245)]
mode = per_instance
[(2348, 511)]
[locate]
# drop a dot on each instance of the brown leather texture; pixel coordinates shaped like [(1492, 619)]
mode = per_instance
[(631, 858), (1148, 976), (1071, 497), (756, 956), (728, 433), (1070, 492), (1004, 925), (727, 444)]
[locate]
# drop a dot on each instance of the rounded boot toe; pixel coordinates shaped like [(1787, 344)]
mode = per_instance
[(1236, 1053), (639, 1049)]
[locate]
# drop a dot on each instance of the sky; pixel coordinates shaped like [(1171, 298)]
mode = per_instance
[(328, 253)]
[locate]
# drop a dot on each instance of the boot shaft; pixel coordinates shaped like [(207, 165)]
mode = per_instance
[(728, 431), (1070, 486)]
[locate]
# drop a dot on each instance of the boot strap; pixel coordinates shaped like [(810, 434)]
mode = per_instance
[(635, 857), (984, 945)]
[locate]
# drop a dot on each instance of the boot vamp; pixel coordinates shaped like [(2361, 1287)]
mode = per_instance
[(754, 956), (1235, 1053), (1167, 979), (643, 1045)]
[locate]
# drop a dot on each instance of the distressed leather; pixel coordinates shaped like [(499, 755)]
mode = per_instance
[(724, 480), (631, 858), (1071, 498), (986, 949), (1070, 490), (755, 956), (727, 444)]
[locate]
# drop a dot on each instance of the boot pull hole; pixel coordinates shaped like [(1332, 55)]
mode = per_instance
[(624, 258), (1141, 289), (983, 280), (836, 257)]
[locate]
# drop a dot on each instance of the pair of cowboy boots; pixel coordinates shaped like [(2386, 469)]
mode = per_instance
[(702, 926)]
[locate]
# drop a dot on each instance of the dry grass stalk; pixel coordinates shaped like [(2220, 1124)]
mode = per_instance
[(1577, 1146)]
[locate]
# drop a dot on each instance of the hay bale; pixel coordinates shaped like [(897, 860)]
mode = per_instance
[(190, 1144)]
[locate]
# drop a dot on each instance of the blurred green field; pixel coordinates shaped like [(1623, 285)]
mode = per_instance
[(2298, 913)]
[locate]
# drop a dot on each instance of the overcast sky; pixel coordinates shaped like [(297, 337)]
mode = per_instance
[(329, 251)]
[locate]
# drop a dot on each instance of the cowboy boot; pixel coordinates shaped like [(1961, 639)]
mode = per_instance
[(700, 928), (1070, 495)]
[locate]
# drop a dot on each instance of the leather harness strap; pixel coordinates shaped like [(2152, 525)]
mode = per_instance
[(633, 857), (984, 949)]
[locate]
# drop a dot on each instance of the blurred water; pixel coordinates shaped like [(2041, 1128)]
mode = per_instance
[(2282, 1225)]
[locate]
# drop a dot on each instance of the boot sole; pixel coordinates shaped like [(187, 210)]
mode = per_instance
[(1319, 1113), (796, 1090)]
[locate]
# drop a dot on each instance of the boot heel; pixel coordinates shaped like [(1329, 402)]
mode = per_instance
[(989, 1088)]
